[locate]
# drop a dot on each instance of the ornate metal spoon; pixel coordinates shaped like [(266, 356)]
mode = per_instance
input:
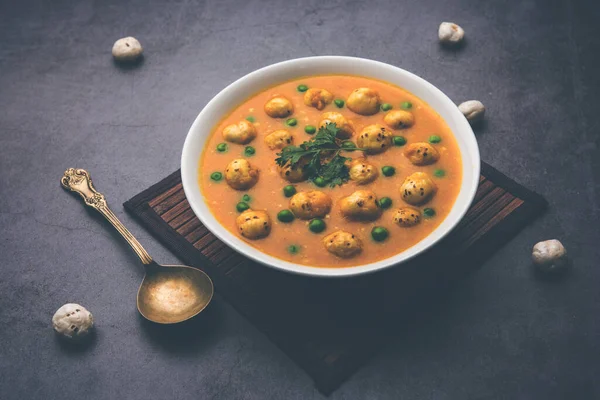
[(169, 293)]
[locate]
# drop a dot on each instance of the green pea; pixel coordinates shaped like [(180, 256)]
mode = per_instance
[(250, 118), (216, 176), (385, 202), (302, 88), (388, 171), (386, 107), (317, 225), (291, 122), (379, 233), (246, 198), (348, 145), (310, 129), (407, 105), (222, 147), (339, 103), (289, 191), (429, 213), (399, 140), (319, 181), (249, 151), (440, 173), (242, 206), (285, 216), (434, 139), (293, 249)]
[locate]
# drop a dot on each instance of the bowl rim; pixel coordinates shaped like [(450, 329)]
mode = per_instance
[(189, 164)]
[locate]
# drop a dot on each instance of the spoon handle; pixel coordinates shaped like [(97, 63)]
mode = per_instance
[(79, 181)]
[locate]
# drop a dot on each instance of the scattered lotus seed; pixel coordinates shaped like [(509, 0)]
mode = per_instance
[(127, 49), (73, 321), (549, 256), (473, 110), (450, 33)]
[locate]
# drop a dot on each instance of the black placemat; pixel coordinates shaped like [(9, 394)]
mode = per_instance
[(330, 327)]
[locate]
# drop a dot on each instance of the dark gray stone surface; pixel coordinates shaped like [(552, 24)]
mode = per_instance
[(501, 334)]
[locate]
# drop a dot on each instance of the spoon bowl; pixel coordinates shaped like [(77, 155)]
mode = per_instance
[(173, 293)]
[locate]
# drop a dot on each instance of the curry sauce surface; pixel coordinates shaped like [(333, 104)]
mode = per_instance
[(267, 193)]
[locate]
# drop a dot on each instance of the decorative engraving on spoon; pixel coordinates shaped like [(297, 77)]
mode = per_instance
[(78, 180)]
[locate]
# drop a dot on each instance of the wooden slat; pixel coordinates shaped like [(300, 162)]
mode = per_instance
[(469, 232), (484, 188), (174, 211), (160, 198), (196, 234), (494, 220), (480, 206), (225, 256), (189, 226), (214, 248), (169, 202), (182, 218), (204, 241)]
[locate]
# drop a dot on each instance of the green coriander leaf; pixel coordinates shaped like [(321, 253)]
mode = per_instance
[(320, 156), (335, 172), (313, 166), (326, 137), (291, 154)]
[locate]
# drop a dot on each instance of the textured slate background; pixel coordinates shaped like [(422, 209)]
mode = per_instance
[(500, 335)]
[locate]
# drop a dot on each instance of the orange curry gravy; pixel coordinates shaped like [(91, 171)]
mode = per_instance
[(267, 193)]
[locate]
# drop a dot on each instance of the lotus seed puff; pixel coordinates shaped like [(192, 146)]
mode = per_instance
[(127, 49), (73, 321), (450, 33), (549, 256)]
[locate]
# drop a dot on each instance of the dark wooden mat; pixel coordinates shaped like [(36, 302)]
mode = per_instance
[(330, 327)]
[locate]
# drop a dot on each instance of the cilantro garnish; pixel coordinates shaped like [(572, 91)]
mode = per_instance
[(322, 156)]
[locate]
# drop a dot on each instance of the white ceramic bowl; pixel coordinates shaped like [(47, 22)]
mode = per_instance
[(263, 78)]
